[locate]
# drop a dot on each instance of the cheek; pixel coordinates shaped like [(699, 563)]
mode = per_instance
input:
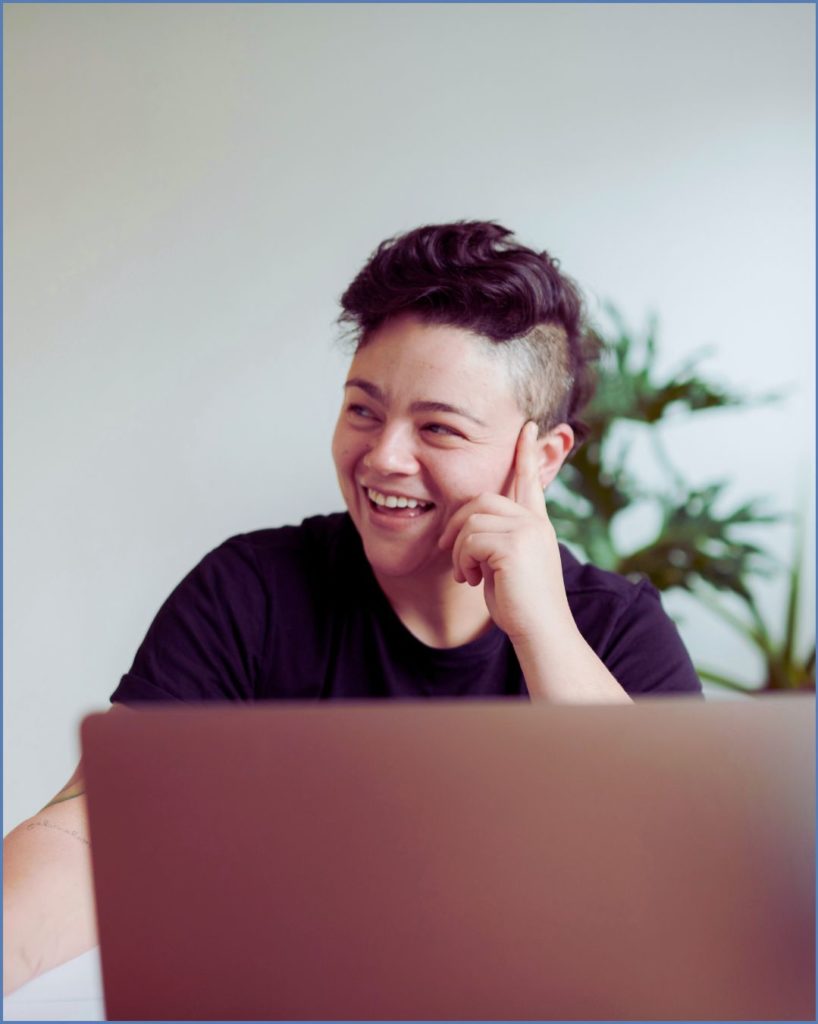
[(338, 456), (345, 451), (506, 481), (339, 440), (501, 468), (466, 477)]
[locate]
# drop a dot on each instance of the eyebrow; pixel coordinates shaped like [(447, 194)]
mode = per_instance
[(375, 392)]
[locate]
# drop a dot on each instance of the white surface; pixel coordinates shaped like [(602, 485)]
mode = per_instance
[(189, 188), (72, 991)]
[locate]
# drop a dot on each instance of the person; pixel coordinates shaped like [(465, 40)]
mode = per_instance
[(444, 577)]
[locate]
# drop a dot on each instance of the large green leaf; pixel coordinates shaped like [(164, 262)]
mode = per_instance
[(701, 544)]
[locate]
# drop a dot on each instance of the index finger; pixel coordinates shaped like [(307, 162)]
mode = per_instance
[(526, 488)]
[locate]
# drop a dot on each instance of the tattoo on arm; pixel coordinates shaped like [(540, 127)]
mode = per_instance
[(45, 823)]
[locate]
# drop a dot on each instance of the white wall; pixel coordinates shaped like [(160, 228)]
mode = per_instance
[(189, 188)]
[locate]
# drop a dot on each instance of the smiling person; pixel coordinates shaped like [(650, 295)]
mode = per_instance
[(443, 579)]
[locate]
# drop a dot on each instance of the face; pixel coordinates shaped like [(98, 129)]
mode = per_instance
[(429, 421)]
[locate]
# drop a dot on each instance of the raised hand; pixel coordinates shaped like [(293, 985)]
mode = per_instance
[(510, 544)]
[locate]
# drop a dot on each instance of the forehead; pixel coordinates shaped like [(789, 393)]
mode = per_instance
[(411, 360)]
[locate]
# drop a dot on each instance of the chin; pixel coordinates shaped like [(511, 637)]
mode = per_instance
[(399, 555), (393, 566), (397, 563)]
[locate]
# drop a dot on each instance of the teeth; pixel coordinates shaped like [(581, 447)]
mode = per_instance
[(392, 501)]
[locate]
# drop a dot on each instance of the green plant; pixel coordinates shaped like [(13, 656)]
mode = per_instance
[(699, 543), (785, 668)]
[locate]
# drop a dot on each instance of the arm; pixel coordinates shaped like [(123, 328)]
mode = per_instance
[(565, 668), (48, 893), (203, 644), (48, 908), (508, 544)]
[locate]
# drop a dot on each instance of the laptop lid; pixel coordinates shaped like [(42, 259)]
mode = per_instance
[(480, 860)]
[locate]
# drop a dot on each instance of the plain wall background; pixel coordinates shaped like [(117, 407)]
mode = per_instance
[(189, 188)]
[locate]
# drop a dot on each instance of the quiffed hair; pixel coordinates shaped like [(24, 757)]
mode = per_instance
[(475, 275)]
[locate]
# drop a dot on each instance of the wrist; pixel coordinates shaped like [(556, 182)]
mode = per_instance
[(561, 667), (551, 627)]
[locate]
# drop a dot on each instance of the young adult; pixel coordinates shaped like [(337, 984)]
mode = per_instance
[(444, 578)]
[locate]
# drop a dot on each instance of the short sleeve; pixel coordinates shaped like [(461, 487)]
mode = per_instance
[(206, 642), (643, 649)]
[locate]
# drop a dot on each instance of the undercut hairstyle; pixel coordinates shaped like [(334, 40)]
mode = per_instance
[(476, 276)]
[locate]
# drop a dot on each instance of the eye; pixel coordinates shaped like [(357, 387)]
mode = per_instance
[(442, 430), (360, 412)]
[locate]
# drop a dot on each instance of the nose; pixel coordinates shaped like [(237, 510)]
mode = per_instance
[(392, 453)]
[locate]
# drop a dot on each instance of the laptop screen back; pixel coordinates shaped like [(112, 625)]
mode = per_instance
[(445, 860)]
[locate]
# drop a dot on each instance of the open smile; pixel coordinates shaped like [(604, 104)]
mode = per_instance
[(402, 506)]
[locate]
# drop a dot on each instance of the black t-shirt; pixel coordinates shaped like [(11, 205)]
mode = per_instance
[(296, 613)]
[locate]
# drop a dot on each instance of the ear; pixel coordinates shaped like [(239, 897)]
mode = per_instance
[(553, 449)]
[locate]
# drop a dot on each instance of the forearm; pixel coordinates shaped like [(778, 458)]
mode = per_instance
[(48, 903), (561, 667)]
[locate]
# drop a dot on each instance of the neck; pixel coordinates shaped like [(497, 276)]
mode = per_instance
[(438, 611)]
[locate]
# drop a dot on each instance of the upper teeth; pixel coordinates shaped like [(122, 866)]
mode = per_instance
[(392, 501)]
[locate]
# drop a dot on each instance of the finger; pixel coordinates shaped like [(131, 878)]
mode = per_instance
[(527, 489), (480, 524), (475, 557), (491, 504), (472, 574)]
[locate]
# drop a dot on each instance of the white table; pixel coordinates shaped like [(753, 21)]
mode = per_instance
[(72, 991)]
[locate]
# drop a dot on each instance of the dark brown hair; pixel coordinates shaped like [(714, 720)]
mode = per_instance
[(475, 275)]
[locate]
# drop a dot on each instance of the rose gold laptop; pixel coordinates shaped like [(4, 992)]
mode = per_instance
[(479, 860)]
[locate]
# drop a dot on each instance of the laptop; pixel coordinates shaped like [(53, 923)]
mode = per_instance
[(481, 860)]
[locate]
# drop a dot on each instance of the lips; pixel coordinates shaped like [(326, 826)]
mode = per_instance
[(395, 509), (396, 501)]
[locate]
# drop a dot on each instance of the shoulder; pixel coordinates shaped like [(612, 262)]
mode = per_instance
[(587, 582), (312, 562), (317, 537), (251, 567), (624, 622), (602, 597)]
